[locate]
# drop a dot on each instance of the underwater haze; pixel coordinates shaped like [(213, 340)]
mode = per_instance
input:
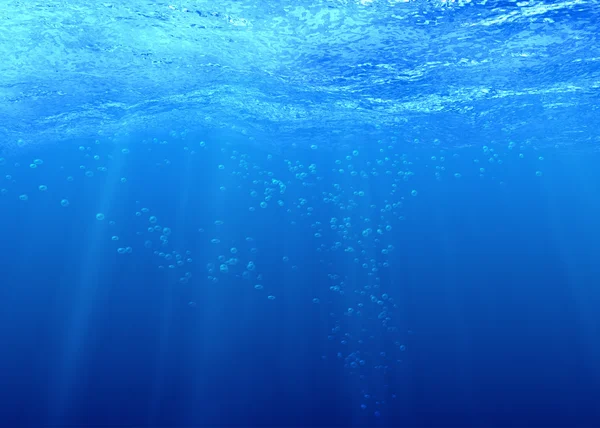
[(320, 213)]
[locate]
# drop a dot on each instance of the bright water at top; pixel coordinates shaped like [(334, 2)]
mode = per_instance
[(283, 71)]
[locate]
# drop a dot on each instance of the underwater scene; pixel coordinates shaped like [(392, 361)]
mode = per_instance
[(319, 213)]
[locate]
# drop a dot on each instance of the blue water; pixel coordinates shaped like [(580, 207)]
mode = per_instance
[(364, 213)]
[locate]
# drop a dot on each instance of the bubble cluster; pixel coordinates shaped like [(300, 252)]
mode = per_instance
[(347, 205)]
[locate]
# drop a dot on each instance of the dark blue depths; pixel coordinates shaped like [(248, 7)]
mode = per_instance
[(496, 283)]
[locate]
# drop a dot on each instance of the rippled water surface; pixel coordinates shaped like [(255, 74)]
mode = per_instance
[(298, 71)]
